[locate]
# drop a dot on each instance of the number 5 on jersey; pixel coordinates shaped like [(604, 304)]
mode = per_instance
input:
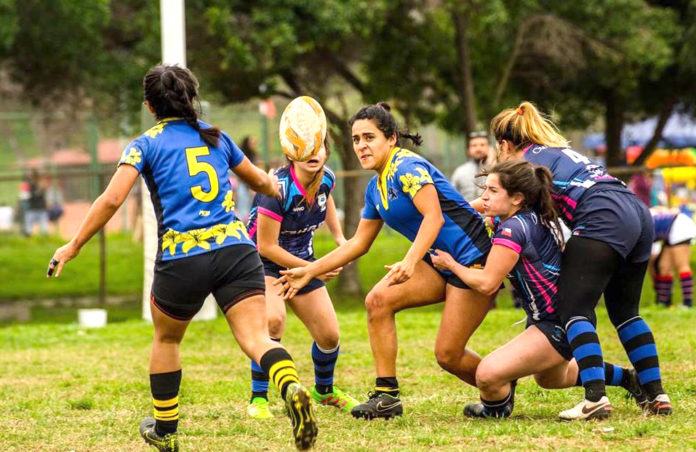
[(195, 167)]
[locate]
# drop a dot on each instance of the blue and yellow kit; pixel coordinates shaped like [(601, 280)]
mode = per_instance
[(389, 197), (189, 187)]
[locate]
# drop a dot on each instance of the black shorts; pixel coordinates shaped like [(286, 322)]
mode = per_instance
[(232, 274), (614, 215), (451, 278), (271, 269), (555, 334)]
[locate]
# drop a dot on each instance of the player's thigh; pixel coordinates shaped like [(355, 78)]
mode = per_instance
[(464, 311), (681, 256), (247, 320), (317, 313), (425, 287), (665, 265), (275, 305)]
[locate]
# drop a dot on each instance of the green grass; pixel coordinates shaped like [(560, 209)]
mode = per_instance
[(63, 388), (23, 263)]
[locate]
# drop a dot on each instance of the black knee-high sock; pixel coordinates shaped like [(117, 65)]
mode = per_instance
[(639, 343), (387, 385), (584, 341), (278, 363), (165, 400)]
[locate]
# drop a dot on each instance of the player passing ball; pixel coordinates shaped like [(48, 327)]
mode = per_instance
[(414, 198)]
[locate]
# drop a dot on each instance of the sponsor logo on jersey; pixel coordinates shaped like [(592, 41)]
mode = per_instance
[(204, 213), (506, 232), (321, 200)]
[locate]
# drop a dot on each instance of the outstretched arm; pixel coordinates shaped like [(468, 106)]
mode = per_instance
[(333, 223), (103, 208)]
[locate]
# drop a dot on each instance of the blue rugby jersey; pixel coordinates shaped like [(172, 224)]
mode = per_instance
[(189, 188), (573, 174), (663, 219), (535, 274), (389, 197), (298, 220)]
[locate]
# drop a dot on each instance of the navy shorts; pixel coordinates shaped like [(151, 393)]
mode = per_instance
[(614, 215), (231, 274), (451, 278), (272, 269), (554, 332)]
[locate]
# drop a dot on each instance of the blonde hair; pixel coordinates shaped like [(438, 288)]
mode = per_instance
[(525, 125)]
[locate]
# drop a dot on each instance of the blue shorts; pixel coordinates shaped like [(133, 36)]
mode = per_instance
[(272, 269), (614, 215), (550, 326)]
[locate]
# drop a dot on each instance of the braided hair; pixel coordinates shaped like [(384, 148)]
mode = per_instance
[(171, 91)]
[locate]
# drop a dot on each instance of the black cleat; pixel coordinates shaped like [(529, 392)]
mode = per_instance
[(166, 443), (480, 411), (298, 407), (378, 405), (634, 390)]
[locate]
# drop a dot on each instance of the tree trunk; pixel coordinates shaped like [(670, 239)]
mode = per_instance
[(353, 188), (464, 77), (665, 113), (614, 117)]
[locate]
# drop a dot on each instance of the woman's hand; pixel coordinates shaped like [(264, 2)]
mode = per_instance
[(292, 281), (442, 260), (330, 275), (62, 255), (399, 272)]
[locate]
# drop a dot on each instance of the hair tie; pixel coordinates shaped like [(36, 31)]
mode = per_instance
[(520, 111)]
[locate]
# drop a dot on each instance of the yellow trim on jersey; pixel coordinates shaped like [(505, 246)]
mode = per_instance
[(165, 403), (202, 237), (387, 173)]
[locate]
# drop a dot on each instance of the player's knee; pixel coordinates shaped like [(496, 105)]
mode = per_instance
[(377, 304), (168, 337), (276, 324), (545, 381), (328, 340), (488, 377), (448, 358)]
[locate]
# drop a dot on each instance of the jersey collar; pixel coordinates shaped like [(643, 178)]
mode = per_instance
[(382, 179)]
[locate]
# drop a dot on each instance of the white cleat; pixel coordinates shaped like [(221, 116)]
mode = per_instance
[(587, 410)]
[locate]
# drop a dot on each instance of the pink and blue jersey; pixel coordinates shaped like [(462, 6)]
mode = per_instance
[(298, 219), (389, 197), (188, 184), (573, 175), (535, 275), (663, 220)]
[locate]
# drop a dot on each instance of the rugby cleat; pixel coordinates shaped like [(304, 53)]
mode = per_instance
[(378, 405), (634, 389), (481, 411), (337, 398), (166, 443), (258, 409), (660, 405), (298, 406), (587, 410)]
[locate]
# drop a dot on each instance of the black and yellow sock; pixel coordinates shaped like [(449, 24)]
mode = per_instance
[(278, 363), (165, 400), (259, 379), (387, 385)]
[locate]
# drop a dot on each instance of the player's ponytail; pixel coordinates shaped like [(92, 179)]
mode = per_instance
[(313, 187), (171, 92), (525, 125), (380, 114), (534, 183)]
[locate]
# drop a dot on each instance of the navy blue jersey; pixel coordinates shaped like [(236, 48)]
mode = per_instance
[(535, 275), (663, 220), (390, 198), (189, 188), (298, 219), (573, 174)]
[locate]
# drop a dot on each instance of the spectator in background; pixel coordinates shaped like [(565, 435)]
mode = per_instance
[(36, 211), (641, 184), (481, 157), (54, 200), (242, 195)]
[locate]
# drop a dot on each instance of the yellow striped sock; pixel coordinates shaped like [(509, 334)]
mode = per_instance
[(166, 410), (283, 373)]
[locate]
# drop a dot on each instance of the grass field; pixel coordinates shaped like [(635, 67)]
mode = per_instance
[(63, 388)]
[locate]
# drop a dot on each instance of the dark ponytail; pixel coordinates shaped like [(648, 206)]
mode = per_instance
[(535, 183), (171, 91), (380, 114)]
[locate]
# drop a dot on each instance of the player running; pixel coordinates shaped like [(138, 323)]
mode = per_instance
[(607, 253), (202, 248), (283, 229), (674, 233), (525, 249), (414, 198)]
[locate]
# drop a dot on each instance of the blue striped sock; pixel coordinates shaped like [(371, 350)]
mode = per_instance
[(324, 365), (639, 343), (584, 341), (259, 379)]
